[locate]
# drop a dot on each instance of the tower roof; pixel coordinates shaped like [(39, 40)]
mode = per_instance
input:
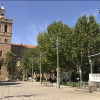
[(2, 7)]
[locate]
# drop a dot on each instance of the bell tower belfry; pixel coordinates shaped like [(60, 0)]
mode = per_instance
[(5, 33), (2, 12)]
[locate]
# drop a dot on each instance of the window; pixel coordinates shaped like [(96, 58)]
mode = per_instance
[(5, 28), (5, 40), (2, 14), (13, 70), (0, 53)]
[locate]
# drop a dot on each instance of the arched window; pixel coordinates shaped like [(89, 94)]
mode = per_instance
[(5, 28), (6, 40)]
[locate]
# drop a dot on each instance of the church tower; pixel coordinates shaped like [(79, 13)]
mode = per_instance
[(5, 39), (5, 33)]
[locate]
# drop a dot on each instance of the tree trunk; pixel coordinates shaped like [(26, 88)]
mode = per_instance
[(8, 70), (69, 75), (80, 71)]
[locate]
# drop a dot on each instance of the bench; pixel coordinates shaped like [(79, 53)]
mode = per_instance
[(50, 84), (47, 84)]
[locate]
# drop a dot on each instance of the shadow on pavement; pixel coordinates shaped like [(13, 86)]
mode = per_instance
[(21, 96), (4, 83)]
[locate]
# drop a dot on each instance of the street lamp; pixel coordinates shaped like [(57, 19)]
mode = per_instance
[(90, 62), (40, 69), (32, 68), (57, 69), (80, 69)]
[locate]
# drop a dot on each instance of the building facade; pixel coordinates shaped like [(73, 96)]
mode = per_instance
[(7, 46)]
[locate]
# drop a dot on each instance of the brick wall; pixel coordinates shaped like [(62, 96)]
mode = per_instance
[(4, 73)]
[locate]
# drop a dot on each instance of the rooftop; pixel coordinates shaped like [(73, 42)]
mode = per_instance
[(27, 46)]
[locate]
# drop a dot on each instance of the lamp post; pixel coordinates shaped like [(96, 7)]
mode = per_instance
[(58, 69), (90, 62), (40, 68), (23, 77), (32, 68), (80, 69)]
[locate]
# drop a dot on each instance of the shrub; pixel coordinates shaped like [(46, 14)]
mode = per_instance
[(10, 76), (72, 84)]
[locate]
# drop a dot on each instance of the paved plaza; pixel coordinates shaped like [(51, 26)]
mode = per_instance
[(35, 91)]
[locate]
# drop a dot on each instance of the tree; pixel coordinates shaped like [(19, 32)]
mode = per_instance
[(65, 34), (47, 42), (26, 61), (85, 38), (75, 44), (43, 41), (10, 61)]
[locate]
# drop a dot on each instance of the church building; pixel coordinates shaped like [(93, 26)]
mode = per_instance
[(7, 46)]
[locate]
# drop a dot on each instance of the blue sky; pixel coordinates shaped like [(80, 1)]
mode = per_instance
[(32, 17)]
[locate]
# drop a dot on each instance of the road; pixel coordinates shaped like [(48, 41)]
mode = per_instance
[(35, 91)]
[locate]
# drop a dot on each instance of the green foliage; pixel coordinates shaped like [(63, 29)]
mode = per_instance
[(1, 62), (86, 75), (30, 59), (75, 44), (72, 84), (10, 60), (47, 42), (10, 76)]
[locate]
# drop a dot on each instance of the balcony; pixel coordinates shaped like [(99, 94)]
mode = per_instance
[(94, 77)]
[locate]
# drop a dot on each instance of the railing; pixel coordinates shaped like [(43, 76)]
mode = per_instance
[(8, 20), (89, 86), (94, 77)]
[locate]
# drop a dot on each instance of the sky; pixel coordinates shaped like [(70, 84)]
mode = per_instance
[(32, 17)]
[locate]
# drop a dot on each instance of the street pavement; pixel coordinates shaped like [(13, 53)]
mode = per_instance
[(36, 91)]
